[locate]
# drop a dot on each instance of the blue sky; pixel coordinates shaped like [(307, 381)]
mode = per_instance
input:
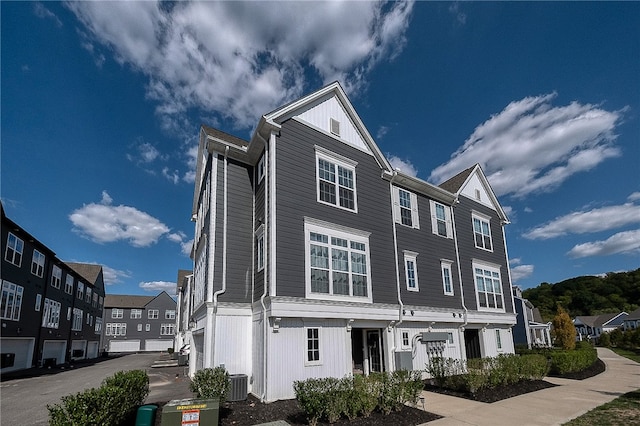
[(101, 105)]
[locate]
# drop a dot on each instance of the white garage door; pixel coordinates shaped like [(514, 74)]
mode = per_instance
[(54, 349), (78, 349), (124, 345), (19, 352), (92, 350), (158, 345)]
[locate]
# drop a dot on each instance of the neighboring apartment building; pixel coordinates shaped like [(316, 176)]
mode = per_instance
[(139, 323), (51, 311), (592, 326), (313, 257), (529, 329)]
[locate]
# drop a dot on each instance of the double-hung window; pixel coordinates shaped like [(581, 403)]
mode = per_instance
[(68, 284), (167, 329), (406, 342), (51, 314), (152, 314), (405, 208), (117, 313), (260, 248), (98, 328), (135, 314), (87, 297), (37, 264), (447, 280), (115, 329), (336, 180), (337, 262), (482, 232), (488, 287), (56, 277), (13, 253), (170, 314), (76, 325), (411, 270), (80, 292), (11, 301), (441, 219), (313, 346)]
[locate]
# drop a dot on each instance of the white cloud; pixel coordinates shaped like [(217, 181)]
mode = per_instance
[(44, 13), (158, 286), (113, 276), (104, 223), (179, 237), (405, 166), (382, 131), (520, 272), (634, 197), (461, 17), (595, 220), (172, 176), (623, 242), (532, 146), (240, 59)]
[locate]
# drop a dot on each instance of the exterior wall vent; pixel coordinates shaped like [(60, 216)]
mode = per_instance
[(334, 126)]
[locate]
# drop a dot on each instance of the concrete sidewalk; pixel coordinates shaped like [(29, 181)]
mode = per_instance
[(551, 406)]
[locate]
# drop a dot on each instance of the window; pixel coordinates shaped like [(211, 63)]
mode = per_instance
[(117, 313), (38, 302), (13, 253), (411, 270), (260, 248), (68, 284), (101, 301), (147, 327), (336, 180), (135, 314), (170, 314), (405, 339), (167, 329), (95, 299), (152, 314), (56, 277), (87, 297), (98, 328), (80, 293), (337, 263), (449, 338), (139, 327), (69, 313), (76, 325), (88, 319), (441, 220), (313, 346), (405, 208), (261, 169), (116, 329), (498, 340), (447, 282), (11, 301), (482, 233), (488, 288), (51, 314), (37, 264)]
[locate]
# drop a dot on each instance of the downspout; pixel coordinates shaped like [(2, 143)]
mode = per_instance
[(224, 242), (455, 241), (395, 249), (267, 267)]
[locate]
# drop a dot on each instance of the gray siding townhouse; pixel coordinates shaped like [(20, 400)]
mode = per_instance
[(529, 329), (592, 326), (313, 257), (139, 323), (51, 311), (632, 321)]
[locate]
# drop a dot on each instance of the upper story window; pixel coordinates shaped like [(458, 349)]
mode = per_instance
[(76, 324), (94, 303), (170, 314), (488, 287), (337, 263), (135, 314), (11, 301), (447, 282), (115, 329), (482, 232), (87, 297), (56, 277), (117, 313), (13, 253), (260, 248), (441, 219), (167, 329), (411, 270), (260, 169), (37, 264), (336, 180), (80, 292), (98, 328), (100, 301), (68, 284), (51, 314), (152, 314), (405, 208)]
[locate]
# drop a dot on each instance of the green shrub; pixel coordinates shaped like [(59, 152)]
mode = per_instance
[(368, 393), (310, 396), (109, 404), (211, 383), (563, 362)]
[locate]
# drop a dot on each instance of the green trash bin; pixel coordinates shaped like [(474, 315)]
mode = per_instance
[(146, 415)]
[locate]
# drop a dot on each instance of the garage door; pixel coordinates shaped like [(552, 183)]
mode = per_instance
[(53, 349), (92, 350), (16, 353), (158, 345), (124, 345), (78, 349)]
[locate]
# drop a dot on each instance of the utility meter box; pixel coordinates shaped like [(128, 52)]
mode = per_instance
[(191, 412)]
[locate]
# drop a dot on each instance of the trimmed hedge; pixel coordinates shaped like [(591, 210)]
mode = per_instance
[(110, 404), (211, 383), (563, 362)]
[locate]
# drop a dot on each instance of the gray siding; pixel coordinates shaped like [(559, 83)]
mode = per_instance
[(259, 190), (468, 250), (296, 198)]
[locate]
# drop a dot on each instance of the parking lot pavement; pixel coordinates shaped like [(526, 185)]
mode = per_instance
[(167, 383)]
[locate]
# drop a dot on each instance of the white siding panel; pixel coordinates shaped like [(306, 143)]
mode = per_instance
[(257, 386), (23, 350), (489, 341), (419, 350), (470, 191), (319, 117), (233, 344)]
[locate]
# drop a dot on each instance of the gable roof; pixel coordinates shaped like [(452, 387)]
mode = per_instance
[(182, 278), (599, 320), (88, 271), (126, 301), (455, 183), (633, 316)]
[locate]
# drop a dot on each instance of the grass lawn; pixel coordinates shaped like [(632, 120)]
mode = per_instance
[(633, 356), (623, 411)]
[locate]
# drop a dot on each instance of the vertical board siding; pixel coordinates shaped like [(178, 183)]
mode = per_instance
[(256, 378), (234, 347), (297, 198)]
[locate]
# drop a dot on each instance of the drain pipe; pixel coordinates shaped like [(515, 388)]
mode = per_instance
[(395, 249), (455, 241)]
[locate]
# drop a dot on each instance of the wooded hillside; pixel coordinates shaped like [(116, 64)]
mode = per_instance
[(588, 295)]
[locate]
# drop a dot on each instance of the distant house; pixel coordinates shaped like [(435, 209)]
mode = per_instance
[(530, 329), (139, 323), (591, 327), (51, 310), (632, 321)]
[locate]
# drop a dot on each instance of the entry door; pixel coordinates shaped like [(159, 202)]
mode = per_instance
[(472, 343), (374, 347)]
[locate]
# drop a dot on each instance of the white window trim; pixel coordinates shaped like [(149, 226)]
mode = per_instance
[(482, 218), (117, 313), (447, 264), (338, 160), (170, 314), (56, 276), (410, 256), (147, 327), (402, 344), (260, 168), (308, 363), (260, 254), (37, 260), (80, 292), (139, 327), (68, 284), (135, 314), (321, 227), (397, 208), (450, 341), (156, 313), (19, 243), (38, 302), (334, 126), (492, 268), (434, 219)]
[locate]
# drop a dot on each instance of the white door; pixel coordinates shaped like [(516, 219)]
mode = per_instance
[(124, 345), (19, 353), (158, 345), (54, 349)]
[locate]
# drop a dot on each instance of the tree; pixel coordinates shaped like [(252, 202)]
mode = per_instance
[(564, 331)]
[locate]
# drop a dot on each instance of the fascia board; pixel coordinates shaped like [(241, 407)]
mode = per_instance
[(421, 186), (477, 170)]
